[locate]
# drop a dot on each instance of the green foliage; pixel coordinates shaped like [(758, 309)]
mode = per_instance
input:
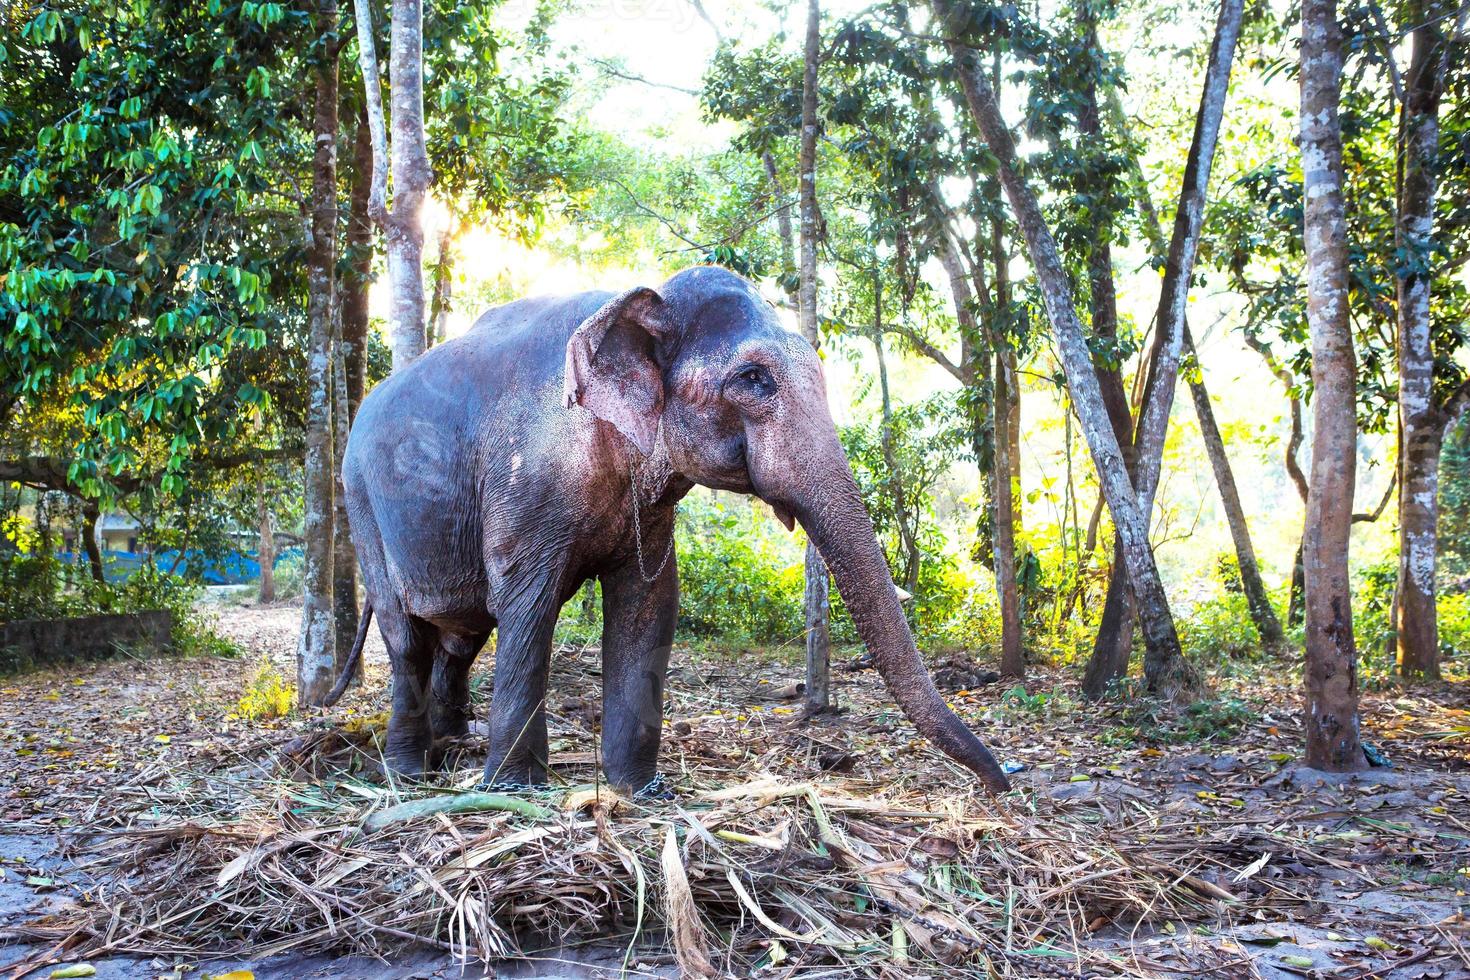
[(741, 576), (140, 227), (1219, 629), (1454, 503)]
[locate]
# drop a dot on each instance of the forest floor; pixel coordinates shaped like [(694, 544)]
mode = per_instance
[(148, 824)]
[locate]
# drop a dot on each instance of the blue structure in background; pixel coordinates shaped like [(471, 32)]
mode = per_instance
[(234, 568)]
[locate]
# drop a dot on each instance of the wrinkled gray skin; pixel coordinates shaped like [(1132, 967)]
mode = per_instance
[(488, 480)]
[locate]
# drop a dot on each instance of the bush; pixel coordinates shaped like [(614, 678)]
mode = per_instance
[(741, 576), (269, 696), (1220, 628)]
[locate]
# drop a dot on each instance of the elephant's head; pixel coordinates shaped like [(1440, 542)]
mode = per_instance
[(742, 405)]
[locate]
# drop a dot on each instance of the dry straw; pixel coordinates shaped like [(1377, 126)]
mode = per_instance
[(727, 878)]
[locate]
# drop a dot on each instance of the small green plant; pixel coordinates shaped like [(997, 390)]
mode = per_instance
[(1042, 702), (1145, 719), (267, 697)]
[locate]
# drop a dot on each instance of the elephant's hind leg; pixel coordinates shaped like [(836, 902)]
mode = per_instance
[(450, 712), (411, 643)]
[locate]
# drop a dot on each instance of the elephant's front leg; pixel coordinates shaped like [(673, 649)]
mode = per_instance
[(637, 635), (518, 742)]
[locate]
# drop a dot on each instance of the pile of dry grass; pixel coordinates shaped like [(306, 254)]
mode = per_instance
[(728, 878)]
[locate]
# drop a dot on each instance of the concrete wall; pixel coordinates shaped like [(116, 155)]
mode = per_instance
[(29, 643)]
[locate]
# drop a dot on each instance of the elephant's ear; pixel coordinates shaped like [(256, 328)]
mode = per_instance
[(611, 370)]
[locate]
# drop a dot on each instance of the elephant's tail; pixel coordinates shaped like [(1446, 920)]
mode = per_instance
[(350, 668)]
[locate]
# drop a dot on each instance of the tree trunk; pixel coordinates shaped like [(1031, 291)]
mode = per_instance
[(1012, 656), (1076, 358), (438, 328), (1295, 601), (91, 514), (1005, 470), (1163, 667), (266, 552), (818, 589), (411, 177), (783, 226), (1422, 423), (976, 373), (344, 556), (315, 653), (906, 531), (1113, 645), (1331, 657), (403, 223), (1262, 614), (354, 289)]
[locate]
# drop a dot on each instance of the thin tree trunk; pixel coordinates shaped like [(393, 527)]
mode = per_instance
[(344, 556), (906, 532), (443, 288), (1421, 421), (1113, 644), (1295, 602), (783, 226), (91, 515), (266, 552), (1157, 621), (1005, 472), (1331, 656), (1161, 665), (976, 373), (818, 588), (1012, 656), (354, 290), (1262, 614), (403, 223), (315, 653)]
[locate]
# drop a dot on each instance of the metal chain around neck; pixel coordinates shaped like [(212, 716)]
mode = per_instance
[(638, 531)]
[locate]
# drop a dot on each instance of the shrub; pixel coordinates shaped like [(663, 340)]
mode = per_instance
[(268, 696), (741, 576)]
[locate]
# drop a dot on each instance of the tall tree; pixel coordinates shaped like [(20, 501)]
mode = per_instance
[(316, 666), (1168, 347), (1421, 415), (1331, 656), (1268, 626), (1153, 606), (402, 223), (818, 588), (1005, 477)]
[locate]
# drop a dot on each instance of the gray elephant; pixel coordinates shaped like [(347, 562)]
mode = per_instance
[(492, 477)]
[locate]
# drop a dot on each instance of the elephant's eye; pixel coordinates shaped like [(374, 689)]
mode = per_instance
[(755, 378)]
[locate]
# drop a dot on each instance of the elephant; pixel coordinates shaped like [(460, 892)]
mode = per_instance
[(494, 475)]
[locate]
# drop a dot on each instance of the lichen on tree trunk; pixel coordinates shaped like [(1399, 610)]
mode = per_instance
[(1331, 655), (817, 596), (315, 655)]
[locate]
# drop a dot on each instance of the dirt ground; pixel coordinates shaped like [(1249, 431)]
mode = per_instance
[(1317, 876)]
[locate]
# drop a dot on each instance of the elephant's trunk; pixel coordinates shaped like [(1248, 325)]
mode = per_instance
[(831, 510)]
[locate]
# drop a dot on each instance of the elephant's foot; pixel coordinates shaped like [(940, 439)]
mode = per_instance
[(512, 773), (641, 782), (450, 720), (409, 750)]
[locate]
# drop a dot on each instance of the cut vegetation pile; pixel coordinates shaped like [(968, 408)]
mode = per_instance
[(729, 878)]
